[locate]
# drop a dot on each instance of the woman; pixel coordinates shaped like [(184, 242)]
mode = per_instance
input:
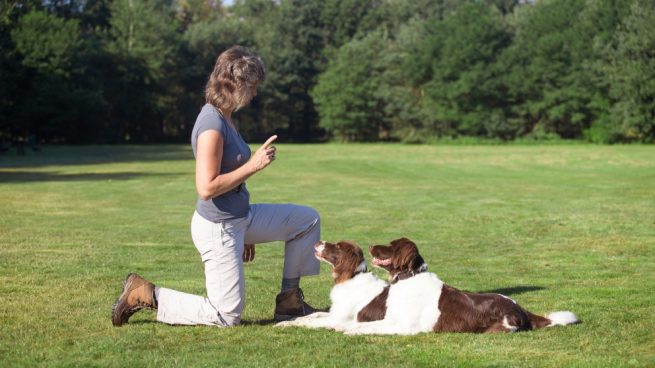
[(225, 226)]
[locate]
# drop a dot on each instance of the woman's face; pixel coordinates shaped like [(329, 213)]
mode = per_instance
[(246, 94), (252, 90)]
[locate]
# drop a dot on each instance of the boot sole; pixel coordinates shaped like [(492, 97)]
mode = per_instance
[(124, 292)]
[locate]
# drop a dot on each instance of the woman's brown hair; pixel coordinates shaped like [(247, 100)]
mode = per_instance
[(236, 72)]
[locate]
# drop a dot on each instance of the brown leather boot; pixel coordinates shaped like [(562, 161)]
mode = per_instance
[(291, 304), (138, 293)]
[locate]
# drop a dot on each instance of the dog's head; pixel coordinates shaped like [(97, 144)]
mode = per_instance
[(401, 258), (346, 259)]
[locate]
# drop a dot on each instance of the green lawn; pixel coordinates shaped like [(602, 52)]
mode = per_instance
[(555, 227)]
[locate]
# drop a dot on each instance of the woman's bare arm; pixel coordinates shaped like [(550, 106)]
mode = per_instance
[(210, 182)]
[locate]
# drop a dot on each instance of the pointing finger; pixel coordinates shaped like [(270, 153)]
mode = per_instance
[(269, 141)]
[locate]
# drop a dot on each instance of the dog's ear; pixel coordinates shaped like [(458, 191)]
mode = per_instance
[(405, 255), (348, 262), (399, 241)]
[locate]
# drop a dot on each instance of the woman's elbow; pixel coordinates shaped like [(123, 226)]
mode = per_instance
[(204, 193)]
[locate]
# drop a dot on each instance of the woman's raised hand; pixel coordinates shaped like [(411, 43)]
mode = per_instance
[(264, 155)]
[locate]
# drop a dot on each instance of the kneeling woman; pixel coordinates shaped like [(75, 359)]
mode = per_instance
[(225, 226)]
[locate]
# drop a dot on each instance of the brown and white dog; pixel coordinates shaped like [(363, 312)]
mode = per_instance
[(418, 301), (357, 296)]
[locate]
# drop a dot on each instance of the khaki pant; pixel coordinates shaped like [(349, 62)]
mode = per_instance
[(221, 250)]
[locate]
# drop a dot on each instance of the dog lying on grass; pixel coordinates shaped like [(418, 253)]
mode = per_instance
[(417, 301), (357, 296)]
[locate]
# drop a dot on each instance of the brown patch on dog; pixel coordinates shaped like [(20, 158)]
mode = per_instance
[(472, 312), (376, 309), (538, 321)]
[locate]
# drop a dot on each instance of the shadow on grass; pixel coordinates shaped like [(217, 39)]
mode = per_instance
[(143, 322), (30, 176), (514, 290), (261, 322), (89, 155)]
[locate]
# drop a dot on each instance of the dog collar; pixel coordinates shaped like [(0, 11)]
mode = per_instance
[(407, 274), (361, 268)]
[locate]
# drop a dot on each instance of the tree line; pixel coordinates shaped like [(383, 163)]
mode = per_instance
[(101, 71)]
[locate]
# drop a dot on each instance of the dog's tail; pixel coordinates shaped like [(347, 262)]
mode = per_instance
[(553, 319)]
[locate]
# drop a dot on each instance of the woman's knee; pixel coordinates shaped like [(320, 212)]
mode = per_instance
[(305, 220), (310, 214)]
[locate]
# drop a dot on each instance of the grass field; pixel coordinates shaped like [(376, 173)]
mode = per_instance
[(555, 227)]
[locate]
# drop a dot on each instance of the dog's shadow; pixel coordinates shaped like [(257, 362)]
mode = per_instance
[(514, 290)]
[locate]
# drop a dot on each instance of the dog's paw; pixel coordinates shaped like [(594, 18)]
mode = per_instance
[(316, 315), (285, 324)]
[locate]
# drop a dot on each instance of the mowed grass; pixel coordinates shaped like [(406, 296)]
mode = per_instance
[(554, 227)]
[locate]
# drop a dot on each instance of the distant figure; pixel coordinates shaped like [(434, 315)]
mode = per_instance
[(225, 226)]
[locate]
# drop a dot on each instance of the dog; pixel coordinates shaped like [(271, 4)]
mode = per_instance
[(357, 296), (418, 301)]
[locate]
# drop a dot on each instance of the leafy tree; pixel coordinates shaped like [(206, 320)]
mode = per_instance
[(504, 6), (631, 72), (11, 74), (141, 41), (189, 12), (95, 15), (47, 43), (345, 93), (463, 93), (293, 53), (344, 19), (551, 79), (406, 68), (394, 14), (128, 70)]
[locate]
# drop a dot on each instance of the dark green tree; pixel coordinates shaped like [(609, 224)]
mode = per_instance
[(293, 52), (47, 46), (344, 19), (463, 95), (142, 42), (631, 74), (47, 43), (346, 92), (551, 79)]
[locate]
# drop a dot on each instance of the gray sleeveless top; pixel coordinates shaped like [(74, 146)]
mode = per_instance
[(236, 202)]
